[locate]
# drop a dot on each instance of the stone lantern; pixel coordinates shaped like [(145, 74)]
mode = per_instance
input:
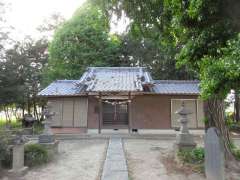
[(47, 136), (184, 139)]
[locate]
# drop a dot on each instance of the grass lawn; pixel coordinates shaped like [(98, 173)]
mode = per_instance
[(14, 123)]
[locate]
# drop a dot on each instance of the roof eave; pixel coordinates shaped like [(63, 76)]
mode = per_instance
[(67, 95)]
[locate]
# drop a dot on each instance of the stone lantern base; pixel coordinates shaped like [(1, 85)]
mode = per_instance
[(185, 141)]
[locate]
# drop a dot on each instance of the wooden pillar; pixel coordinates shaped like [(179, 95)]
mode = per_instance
[(129, 112), (100, 113)]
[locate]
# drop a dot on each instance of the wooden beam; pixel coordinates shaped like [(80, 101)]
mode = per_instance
[(100, 113), (129, 112)]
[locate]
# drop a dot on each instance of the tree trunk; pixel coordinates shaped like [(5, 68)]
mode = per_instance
[(215, 113), (35, 110), (209, 122), (6, 114), (23, 111), (42, 116), (28, 105), (14, 112), (236, 107)]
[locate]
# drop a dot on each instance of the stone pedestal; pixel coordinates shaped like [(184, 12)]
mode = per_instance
[(18, 167), (184, 140)]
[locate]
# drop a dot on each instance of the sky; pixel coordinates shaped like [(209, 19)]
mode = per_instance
[(26, 15)]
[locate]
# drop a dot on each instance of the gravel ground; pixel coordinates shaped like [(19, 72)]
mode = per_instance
[(78, 159), (83, 160), (145, 161)]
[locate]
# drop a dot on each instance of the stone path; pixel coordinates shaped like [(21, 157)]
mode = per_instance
[(115, 166)]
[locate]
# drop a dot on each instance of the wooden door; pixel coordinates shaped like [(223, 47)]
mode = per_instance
[(80, 112), (115, 114)]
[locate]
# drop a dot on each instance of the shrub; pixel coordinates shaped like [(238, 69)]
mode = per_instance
[(38, 128), (7, 161), (5, 151), (195, 156), (35, 154), (3, 145), (236, 153), (194, 159), (13, 124)]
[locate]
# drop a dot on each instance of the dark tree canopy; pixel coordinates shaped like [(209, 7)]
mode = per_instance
[(21, 73), (205, 36), (198, 31), (149, 31)]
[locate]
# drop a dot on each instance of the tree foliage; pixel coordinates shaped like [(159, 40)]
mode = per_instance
[(221, 75), (158, 58), (150, 32), (21, 74), (82, 41), (204, 32), (197, 29)]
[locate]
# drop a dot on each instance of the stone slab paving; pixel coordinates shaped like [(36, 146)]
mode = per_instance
[(115, 166)]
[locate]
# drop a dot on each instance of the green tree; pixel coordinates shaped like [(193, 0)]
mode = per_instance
[(148, 40), (80, 42), (159, 59), (205, 28), (21, 75), (200, 30)]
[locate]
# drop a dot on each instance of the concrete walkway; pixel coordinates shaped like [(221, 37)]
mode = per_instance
[(115, 167)]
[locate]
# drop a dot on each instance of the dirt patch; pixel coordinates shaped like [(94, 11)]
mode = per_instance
[(150, 160), (78, 159), (174, 167)]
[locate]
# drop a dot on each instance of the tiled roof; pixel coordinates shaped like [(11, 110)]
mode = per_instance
[(176, 87), (115, 79), (118, 79), (60, 88)]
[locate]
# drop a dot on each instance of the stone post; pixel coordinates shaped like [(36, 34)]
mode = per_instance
[(18, 167), (184, 139), (214, 156)]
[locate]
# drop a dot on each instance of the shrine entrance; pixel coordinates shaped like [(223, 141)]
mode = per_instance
[(115, 114)]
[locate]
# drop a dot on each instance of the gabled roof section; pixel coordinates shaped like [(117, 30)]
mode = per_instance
[(115, 79), (60, 88), (119, 79), (176, 87)]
